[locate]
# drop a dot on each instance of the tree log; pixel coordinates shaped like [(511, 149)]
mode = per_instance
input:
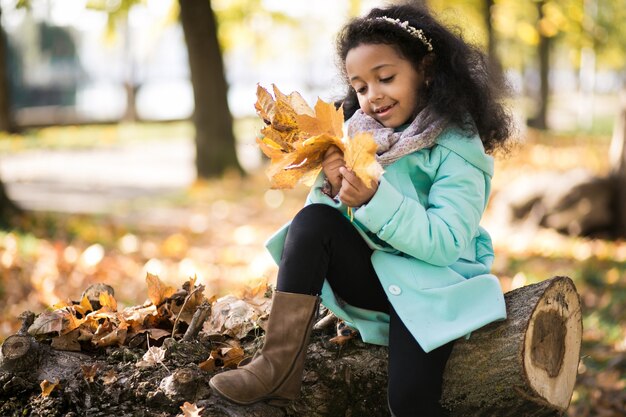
[(524, 366)]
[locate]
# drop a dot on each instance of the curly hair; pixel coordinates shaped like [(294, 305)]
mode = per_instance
[(462, 81)]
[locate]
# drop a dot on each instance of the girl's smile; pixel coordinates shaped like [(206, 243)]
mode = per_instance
[(387, 84)]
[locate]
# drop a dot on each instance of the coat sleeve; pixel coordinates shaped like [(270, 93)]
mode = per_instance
[(439, 233)]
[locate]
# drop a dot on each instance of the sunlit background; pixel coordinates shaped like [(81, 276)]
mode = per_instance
[(101, 149)]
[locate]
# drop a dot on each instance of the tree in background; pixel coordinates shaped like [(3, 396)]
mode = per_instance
[(7, 206), (6, 117), (215, 141)]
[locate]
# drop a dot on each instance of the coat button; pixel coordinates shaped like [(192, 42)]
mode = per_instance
[(394, 290)]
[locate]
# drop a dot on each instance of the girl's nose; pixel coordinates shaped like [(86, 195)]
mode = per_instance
[(374, 95)]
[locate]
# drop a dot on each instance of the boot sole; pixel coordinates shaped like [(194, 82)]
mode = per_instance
[(275, 401)]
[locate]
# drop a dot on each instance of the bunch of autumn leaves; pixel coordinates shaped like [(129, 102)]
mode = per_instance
[(296, 137), (95, 322)]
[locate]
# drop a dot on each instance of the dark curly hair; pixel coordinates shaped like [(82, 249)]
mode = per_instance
[(462, 81)]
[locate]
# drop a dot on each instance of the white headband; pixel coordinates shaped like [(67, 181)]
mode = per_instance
[(416, 33)]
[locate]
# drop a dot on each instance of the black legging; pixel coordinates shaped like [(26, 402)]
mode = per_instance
[(322, 243)]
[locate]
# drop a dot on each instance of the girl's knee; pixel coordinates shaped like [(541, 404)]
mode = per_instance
[(315, 217)]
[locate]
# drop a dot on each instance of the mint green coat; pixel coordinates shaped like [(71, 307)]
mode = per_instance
[(430, 254)]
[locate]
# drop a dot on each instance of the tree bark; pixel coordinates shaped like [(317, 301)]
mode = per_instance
[(525, 366), (8, 209), (215, 141), (617, 157), (540, 120), (7, 123), (491, 35)]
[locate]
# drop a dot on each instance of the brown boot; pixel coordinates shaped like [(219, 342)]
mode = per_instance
[(275, 372)]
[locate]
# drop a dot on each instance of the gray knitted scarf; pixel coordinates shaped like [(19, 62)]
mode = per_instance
[(420, 134)]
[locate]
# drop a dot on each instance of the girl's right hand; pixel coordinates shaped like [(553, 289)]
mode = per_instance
[(333, 160)]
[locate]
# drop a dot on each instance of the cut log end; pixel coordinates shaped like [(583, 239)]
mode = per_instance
[(523, 366), (552, 344), (15, 347)]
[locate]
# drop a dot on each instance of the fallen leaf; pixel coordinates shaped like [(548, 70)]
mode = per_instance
[(190, 410), (192, 301), (109, 377), (232, 316), (345, 333), (84, 307), (90, 371), (208, 365), (157, 290), (114, 337), (231, 356), (68, 341), (154, 356), (107, 300), (48, 322), (47, 387)]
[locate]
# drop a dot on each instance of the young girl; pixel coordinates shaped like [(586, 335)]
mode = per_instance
[(411, 270)]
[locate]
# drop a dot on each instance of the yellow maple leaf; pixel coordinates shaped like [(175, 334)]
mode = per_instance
[(157, 290), (359, 154)]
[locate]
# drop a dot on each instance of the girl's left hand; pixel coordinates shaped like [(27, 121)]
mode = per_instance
[(354, 192)]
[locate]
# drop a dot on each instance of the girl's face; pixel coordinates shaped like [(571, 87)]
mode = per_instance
[(387, 85)]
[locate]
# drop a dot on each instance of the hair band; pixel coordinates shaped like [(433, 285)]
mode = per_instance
[(416, 33)]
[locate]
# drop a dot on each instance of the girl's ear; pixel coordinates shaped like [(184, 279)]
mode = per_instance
[(428, 66)]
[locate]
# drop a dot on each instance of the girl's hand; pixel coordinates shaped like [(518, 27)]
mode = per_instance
[(354, 192), (333, 161)]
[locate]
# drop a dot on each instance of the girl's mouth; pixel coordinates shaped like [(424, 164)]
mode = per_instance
[(384, 111)]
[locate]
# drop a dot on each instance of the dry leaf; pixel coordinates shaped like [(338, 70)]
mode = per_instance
[(47, 387), (208, 365), (107, 300), (84, 307), (344, 334), (90, 371), (157, 290), (296, 138), (153, 356), (233, 317), (114, 337), (231, 356), (192, 301), (109, 377), (48, 322), (68, 341), (359, 155), (190, 410)]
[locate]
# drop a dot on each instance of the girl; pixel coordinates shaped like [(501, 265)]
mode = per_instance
[(411, 270)]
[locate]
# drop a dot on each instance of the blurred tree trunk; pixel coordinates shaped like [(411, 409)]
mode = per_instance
[(8, 209), (215, 141), (491, 35), (130, 83), (617, 155), (539, 121), (6, 118)]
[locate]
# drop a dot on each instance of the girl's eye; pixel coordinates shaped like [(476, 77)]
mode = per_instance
[(387, 80), (360, 90)]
